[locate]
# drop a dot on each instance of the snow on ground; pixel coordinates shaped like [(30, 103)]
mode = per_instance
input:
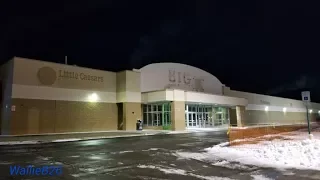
[(260, 177), (207, 129), (299, 152), (181, 172), (66, 140), (122, 152), (18, 142)]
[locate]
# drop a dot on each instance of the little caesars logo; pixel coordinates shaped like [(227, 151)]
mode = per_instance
[(48, 76)]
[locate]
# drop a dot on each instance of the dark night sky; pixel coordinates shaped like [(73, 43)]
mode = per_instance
[(256, 46)]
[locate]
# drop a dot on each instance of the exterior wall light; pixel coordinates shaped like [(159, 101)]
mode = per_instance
[(310, 111), (284, 109), (266, 108), (93, 97)]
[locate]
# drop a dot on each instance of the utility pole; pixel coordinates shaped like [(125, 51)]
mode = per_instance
[(306, 100), (309, 131)]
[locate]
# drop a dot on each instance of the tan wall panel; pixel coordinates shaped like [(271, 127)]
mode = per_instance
[(133, 83), (32, 116), (178, 115), (128, 87), (35, 73), (121, 81), (85, 116), (132, 112), (262, 117), (45, 116)]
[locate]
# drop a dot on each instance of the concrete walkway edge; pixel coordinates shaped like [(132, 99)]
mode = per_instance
[(64, 137)]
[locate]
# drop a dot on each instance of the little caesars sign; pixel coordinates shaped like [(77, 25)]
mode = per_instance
[(48, 76), (63, 74)]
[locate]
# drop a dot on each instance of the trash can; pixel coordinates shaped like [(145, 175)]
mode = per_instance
[(139, 125)]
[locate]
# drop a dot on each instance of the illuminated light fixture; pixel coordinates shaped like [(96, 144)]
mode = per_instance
[(266, 108), (310, 111), (93, 97), (319, 111), (284, 109)]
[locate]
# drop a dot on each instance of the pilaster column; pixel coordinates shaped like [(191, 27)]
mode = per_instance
[(178, 121), (240, 111)]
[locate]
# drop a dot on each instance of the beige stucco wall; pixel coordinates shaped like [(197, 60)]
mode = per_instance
[(128, 86), (47, 116), (256, 113), (128, 113), (253, 117), (54, 98)]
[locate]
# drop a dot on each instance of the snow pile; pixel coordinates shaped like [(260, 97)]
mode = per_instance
[(301, 154), (182, 172)]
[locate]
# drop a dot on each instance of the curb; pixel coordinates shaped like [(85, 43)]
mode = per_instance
[(37, 142)]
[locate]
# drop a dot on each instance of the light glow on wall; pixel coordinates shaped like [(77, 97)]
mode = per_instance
[(310, 111), (93, 97), (266, 108), (319, 111), (284, 109)]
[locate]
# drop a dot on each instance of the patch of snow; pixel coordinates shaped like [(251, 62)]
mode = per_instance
[(90, 170), (172, 165), (178, 132), (152, 149), (66, 140), (74, 156), (207, 129), (122, 152), (260, 177), (76, 175), (120, 163), (300, 152), (209, 177), (188, 155), (99, 158), (182, 172), (230, 165), (44, 158), (19, 142), (288, 173)]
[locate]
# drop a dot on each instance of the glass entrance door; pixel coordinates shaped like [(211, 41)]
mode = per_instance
[(207, 120), (200, 120), (206, 116), (192, 120)]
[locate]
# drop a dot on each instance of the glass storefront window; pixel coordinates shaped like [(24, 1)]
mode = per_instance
[(149, 119), (157, 114)]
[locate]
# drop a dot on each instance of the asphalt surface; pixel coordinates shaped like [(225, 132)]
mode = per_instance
[(146, 157)]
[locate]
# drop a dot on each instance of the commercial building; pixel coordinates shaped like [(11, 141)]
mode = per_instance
[(42, 97)]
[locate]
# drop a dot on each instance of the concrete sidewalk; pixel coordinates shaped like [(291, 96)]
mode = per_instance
[(64, 137)]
